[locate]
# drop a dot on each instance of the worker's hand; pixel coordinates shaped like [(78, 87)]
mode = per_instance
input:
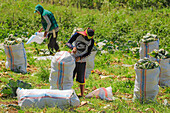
[(40, 30), (74, 50), (43, 38), (45, 34), (77, 59)]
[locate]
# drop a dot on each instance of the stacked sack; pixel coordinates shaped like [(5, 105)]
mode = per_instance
[(163, 58), (147, 70), (148, 44), (62, 67), (16, 54), (146, 81)]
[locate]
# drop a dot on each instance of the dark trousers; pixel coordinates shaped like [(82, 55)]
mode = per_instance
[(52, 43), (80, 70)]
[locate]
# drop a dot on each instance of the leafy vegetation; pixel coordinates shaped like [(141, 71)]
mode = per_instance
[(146, 63), (160, 54), (99, 4), (119, 24)]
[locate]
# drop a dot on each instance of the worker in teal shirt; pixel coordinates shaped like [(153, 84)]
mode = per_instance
[(50, 26)]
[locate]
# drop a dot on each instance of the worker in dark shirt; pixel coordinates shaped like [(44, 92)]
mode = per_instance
[(81, 44)]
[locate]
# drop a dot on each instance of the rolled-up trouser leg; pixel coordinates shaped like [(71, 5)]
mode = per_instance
[(50, 44), (56, 47)]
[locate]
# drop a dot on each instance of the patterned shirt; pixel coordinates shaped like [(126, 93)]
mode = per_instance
[(49, 24), (82, 43)]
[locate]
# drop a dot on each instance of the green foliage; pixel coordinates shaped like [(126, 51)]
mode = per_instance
[(167, 90), (30, 59), (100, 4), (44, 71), (160, 54), (10, 89), (118, 24)]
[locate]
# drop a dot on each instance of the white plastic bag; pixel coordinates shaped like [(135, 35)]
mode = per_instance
[(103, 93), (44, 57), (35, 38), (90, 63), (1, 47), (101, 44), (146, 84), (41, 34), (41, 98), (146, 48), (38, 38), (16, 57), (62, 67)]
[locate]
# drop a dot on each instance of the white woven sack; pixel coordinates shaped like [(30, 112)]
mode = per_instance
[(41, 98), (35, 38), (165, 72), (90, 63), (146, 48), (146, 84), (16, 57), (103, 93), (62, 67), (164, 76)]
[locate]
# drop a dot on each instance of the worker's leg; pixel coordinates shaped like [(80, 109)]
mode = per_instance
[(81, 71), (82, 89), (50, 44), (75, 71), (56, 47)]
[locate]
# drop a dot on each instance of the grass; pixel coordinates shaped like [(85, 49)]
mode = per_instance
[(119, 24), (122, 85)]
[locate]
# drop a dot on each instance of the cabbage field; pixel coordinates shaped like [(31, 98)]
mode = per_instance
[(120, 26)]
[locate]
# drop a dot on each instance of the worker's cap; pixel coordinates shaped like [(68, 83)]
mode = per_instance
[(88, 32)]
